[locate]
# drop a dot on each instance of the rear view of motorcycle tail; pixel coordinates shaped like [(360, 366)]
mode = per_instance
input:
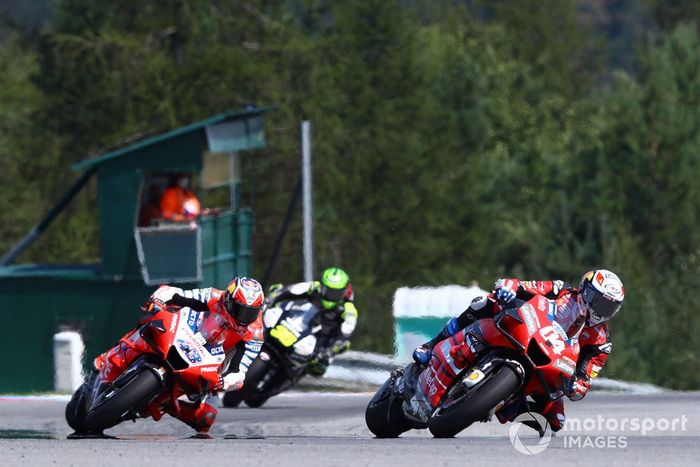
[(288, 349)]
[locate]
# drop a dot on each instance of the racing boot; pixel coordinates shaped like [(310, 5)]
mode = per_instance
[(198, 416), (553, 411), (423, 352), (518, 406), (511, 409), (479, 308)]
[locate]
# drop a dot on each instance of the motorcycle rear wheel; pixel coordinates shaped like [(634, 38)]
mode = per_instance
[(232, 399), (126, 398), (255, 401), (499, 387)]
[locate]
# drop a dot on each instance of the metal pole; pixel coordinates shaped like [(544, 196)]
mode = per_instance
[(307, 212), (281, 235)]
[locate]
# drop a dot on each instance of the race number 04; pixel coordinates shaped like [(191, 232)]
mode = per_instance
[(552, 336)]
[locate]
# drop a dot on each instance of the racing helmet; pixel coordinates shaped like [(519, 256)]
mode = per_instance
[(334, 285), (600, 294), (243, 299)]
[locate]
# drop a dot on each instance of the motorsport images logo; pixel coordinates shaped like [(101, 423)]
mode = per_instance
[(528, 445)]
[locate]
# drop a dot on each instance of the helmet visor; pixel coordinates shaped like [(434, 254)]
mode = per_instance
[(602, 308), (242, 313), (332, 295)]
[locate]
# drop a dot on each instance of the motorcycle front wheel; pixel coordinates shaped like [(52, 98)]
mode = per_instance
[(384, 416), (257, 371), (123, 400), (76, 408)]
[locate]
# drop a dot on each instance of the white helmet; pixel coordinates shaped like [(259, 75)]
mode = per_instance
[(601, 294)]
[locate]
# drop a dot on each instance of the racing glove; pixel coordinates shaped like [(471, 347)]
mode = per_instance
[(272, 293), (577, 388), (160, 298), (505, 290), (319, 365), (232, 381), (340, 347)]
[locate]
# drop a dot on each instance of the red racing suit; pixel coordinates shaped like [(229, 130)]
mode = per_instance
[(594, 342), (241, 346)]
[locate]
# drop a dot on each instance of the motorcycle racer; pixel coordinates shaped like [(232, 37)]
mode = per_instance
[(338, 318), (581, 312), (233, 316)]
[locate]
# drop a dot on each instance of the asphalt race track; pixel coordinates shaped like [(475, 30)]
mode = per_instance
[(314, 429)]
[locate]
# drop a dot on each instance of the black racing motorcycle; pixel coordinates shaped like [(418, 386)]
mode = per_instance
[(287, 350)]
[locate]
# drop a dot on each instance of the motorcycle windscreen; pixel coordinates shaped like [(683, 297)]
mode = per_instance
[(214, 328)]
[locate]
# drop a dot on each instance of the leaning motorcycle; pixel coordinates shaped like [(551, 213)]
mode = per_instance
[(174, 352), (286, 352), (521, 352)]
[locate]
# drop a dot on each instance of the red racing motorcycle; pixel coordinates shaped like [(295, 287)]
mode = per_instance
[(521, 352), (174, 352)]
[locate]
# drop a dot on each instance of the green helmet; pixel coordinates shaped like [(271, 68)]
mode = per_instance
[(334, 283)]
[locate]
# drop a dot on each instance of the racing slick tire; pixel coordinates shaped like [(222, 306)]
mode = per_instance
[(125, 399), (232, 399), (76, 410), (384, 416), (257, 371)]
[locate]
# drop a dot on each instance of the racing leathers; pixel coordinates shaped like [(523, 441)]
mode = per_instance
[(337, 324), (594, 342), (241, 345)]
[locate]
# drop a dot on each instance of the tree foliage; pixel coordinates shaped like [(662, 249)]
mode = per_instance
[(453, 142)]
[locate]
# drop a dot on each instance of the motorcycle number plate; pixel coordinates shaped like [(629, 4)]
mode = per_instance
[(283, 335)]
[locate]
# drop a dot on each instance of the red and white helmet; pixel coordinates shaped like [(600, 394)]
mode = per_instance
[(243, 299), (600, 294)]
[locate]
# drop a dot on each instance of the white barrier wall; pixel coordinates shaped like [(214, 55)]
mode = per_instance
[(420, 313), (68, 349)]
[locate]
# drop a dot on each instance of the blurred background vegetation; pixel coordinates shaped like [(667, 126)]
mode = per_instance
[(454, 141)]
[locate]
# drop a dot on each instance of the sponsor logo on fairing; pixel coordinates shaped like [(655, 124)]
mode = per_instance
[(527, 313), (191, 354), (565, 367), (200, 338), (430, 383), (192, 320), (560, 330), (473, 378)]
